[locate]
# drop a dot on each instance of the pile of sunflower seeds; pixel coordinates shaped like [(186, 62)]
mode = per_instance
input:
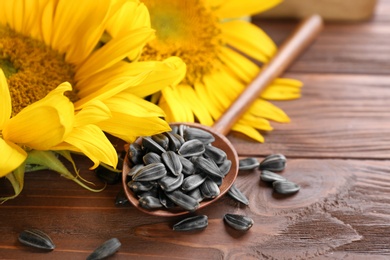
[(177, 168)]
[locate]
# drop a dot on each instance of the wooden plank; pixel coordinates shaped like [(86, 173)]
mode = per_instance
[(338, 116), (341, 207), (347, 48)]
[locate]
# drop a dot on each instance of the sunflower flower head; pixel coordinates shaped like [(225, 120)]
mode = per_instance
[(62, 89), (222, 52)]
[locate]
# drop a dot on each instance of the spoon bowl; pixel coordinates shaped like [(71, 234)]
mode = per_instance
[(220, 142)]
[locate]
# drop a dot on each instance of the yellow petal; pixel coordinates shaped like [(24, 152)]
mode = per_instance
[(208, 100), (255, 122), (283, 89), (249, 39), (238, 8), (18, 15), (160, 75), (248, 131), (12, 12), (5, 104), (190, 97), (11, 157), (94, 112), (128, 103), (114, 87), (92, 142), (115, 50), (181, 111), (265, 109), (44, 123), (78, 21), (47, 21), (239, 65), (131, 16), (169, 72), (128, 128)]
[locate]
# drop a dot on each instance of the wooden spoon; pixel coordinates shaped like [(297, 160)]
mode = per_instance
[(292, 47)]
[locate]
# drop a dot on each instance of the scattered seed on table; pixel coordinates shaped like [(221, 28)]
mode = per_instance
[(269, 176), (249, 163), (285, 187), (273, 162), (36, 238), (107, 249), (236, 194), (238, 222), (191, 223)]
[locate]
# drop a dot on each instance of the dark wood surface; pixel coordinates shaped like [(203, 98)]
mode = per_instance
[(338, 150)]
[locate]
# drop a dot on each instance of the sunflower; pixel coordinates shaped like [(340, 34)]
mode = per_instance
[(222, 52), (62, 88)]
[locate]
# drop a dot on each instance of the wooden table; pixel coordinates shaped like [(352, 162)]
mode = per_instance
[(338, 150)]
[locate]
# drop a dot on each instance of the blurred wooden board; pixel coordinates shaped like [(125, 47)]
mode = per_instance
[(330, 10), (337, 147)]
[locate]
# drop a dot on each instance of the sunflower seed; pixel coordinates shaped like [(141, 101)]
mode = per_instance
[(164, 200), (138, 186), (151, 145), (180, 139), (174, 129), (196, 194), (216, 154), (225, 167), (151, 157), (218, 180), (172, 162), (162, 140), (168, 183), (249, 163), (192, 148), (174, 142), (273, 162), (150, 202), (107, 249), (238, 222), (285, 187), (134, 169), (191, 223), (193, 181), (150, 172), (183, 200), (108, 174), (236, 194), (152, 193), (121, 198), (209, 189), (193, 133), (208, 167), (269, 176), (188, 166), (135, 153), (36, 238)]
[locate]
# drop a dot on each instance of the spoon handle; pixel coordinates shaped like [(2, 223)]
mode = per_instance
[(291, 48)]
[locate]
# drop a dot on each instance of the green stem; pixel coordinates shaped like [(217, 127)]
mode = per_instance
[(50, 160), (17, 180)]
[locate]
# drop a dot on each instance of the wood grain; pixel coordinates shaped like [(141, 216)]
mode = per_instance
[(348, 118), (326, 215), (337, 146)]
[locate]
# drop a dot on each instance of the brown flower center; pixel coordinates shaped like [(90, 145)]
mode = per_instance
[(184, 28), (32, 68)]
